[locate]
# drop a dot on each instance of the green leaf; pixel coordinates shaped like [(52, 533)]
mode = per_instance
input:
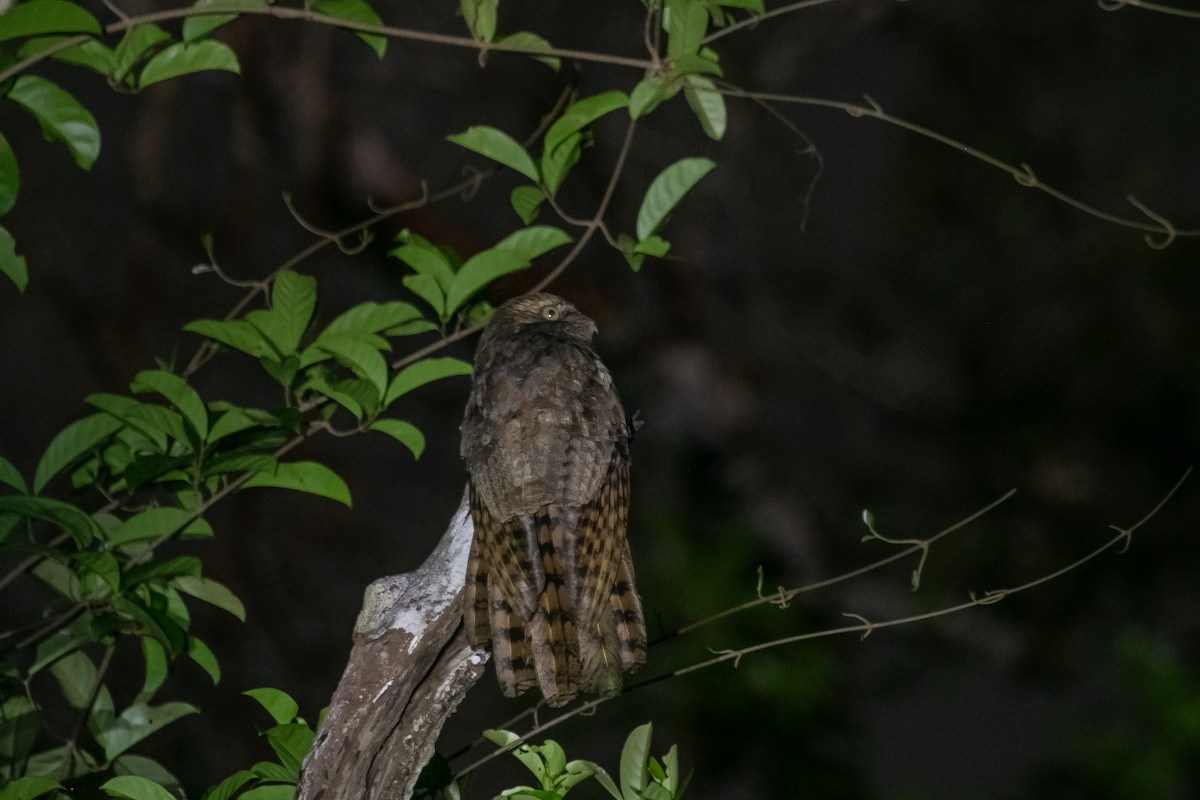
[(304, 476), (272, 771), (157, 523), (498, 146), (178, 393), (271, 791), (238, 334), (76, 675), (753, 6), (149, 769), (154, 421), (199, 652), (667, 190), (200, 26), (500, 737), (686, 22), (231, 421), (532, 242), (605, 780), (211, 592), (154, 656), (480, 16), (653, 246), (30, 786), (480, 270), (69, 518), (527, 201), (60, 115), (372, 317), (696, 64), (434, 272), (12, 476), (364, 359), (633, 761), (10, 175), (227, 788), (355, 11), (649, 92), (423, 372), (37, 17), (11, 264), (183, 58), (533, 43), (293, 300), (162, 570), (579, 116), (346, 400), (60, 645), (99, 574), (135, 787), (137, 42), (558, 162), (291, 743), (707, 104), (280, 705), (90, 54), (406, 433)]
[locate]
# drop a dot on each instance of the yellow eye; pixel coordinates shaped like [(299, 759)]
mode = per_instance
[(550, 313)]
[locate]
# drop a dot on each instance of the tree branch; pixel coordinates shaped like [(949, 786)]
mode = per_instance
[(409, 668)]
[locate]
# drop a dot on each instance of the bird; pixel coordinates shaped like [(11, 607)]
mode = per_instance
[(545, 440)]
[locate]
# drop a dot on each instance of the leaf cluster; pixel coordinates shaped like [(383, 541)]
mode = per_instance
[(109, 520), (641, 776)]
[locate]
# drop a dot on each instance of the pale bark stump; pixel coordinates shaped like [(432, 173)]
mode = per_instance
[(409, 668)]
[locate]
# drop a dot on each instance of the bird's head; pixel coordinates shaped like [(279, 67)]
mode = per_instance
[(543, 312)]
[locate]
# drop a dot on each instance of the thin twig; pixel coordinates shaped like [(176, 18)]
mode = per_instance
[(1022, 174), (598, 217), (874, 565), (85, 712), (863, 628)]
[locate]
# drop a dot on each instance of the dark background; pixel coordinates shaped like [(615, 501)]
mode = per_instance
[(915, 333)]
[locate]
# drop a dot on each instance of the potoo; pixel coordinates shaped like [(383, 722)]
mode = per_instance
[(546, 443)]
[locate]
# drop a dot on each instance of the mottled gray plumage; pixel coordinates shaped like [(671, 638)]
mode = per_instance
[(546, 443)]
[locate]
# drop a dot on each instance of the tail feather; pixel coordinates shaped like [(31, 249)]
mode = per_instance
[(510, 649), (627, 615), (554, 636)]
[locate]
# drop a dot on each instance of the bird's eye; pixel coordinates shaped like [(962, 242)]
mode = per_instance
[(550, 312)]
